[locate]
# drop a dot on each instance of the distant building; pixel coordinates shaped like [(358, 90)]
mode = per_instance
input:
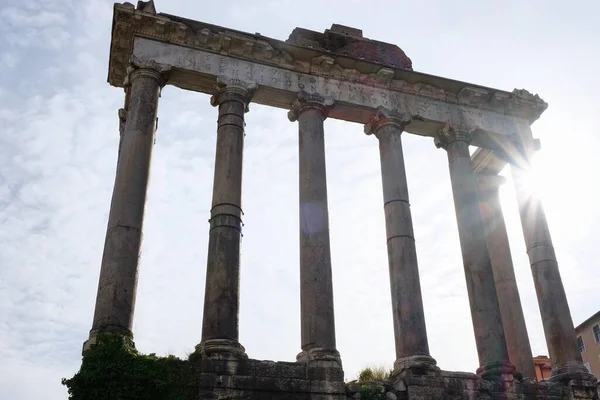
[(543, 368), (588, 339)]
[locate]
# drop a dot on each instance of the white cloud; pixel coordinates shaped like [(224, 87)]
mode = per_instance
[(8, 60), (19, 18)]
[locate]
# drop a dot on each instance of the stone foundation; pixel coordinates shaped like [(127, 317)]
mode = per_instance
[(461, 385), (261, 380)]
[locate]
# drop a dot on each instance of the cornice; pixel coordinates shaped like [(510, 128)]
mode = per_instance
[(129, 22)]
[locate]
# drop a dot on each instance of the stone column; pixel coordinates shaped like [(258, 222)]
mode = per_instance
[(316, 289), (412, 348), (485, 311), (513, 320), (554, 308), (115, 301), (220, 325)]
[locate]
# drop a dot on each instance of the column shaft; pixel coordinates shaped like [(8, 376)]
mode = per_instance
[(117, 287), (412, 348), (554, 308), (485, 310), (316, 287), (220, 325), (513, 320), (316, 295)]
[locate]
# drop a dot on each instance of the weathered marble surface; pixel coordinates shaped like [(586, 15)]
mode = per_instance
[(410, 332), (117, 287), (552, 299), (278, 87), (485, 310), (220, 325), (316, 281), (513, 319), (267, 380)]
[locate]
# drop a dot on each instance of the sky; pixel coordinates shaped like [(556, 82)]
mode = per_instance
[(58, 148)]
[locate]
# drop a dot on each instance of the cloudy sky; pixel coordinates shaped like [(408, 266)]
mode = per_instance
[(58, 147)]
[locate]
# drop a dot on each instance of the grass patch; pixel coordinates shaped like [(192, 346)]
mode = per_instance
[(375, 373)]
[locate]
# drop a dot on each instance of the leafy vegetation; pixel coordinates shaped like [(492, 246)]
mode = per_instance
[(367, 393), (112, 369)]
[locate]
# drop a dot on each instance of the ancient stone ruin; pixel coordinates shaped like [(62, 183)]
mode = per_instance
[(338, 74)]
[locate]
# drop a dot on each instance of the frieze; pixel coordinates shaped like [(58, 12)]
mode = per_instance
[(418, 98)]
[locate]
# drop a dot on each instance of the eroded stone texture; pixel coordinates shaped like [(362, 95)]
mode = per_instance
[(513, 320), (316, 288), (267, 380), (485, 311), (346, 41), (262, 380), (220, 327), (115, 301), (556, 316), (460, 386), (407, 304)]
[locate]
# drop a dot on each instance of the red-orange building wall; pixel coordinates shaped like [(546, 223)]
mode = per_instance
[(543, 368)]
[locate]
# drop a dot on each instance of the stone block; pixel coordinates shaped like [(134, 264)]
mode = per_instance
[(325, 373), (327, 387), (282, 384), (207, 380), (279, 369), (225, 367)]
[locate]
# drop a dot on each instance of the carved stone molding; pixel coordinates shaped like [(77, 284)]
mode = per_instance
[(383, 117), (385, 76), (497, 371), (419, 365), (319, 355), (122, 120), (151, 68), (449, 134), (232, 89), (473, 96), (306, 101), (221, 349)]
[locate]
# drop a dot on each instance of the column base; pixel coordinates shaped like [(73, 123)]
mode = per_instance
[(220, 349), (415, 365), (323, 357), (497, 371), (572, 372), (126, 334)]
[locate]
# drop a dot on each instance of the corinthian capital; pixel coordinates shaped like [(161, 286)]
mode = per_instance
[(449, 134), (138, 67), (231, 89), (306, 101), (384, 117)]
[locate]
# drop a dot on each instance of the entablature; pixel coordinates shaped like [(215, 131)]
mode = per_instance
[(200, 52)]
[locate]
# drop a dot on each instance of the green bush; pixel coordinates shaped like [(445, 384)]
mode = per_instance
[(112, 369), (367, 393), (373, 374)]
